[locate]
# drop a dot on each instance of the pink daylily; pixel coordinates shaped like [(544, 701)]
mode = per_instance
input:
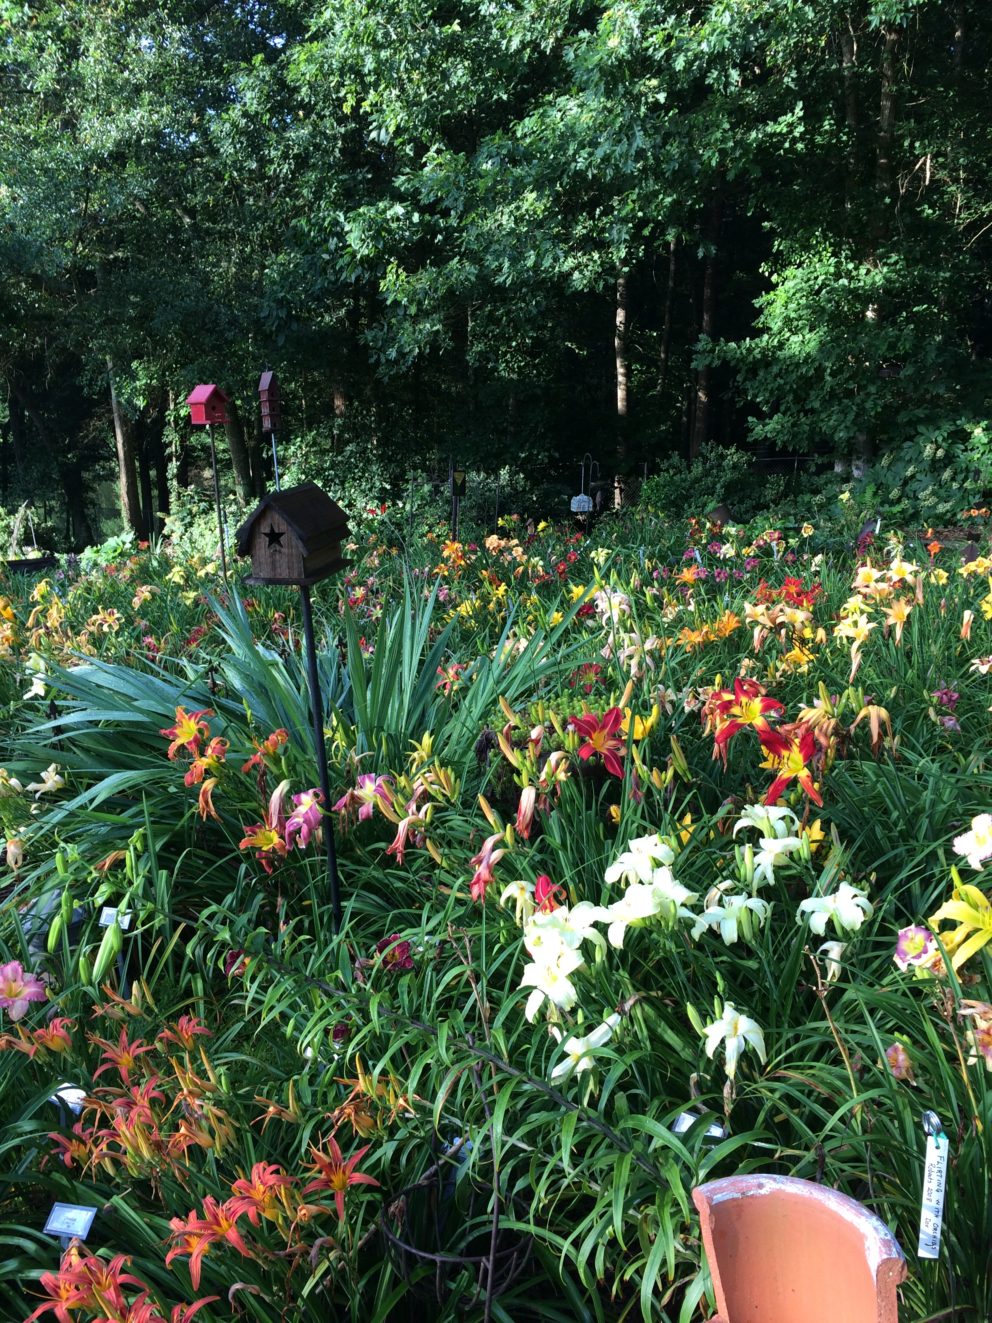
[(483, 863), (304, 821), (18, 989)]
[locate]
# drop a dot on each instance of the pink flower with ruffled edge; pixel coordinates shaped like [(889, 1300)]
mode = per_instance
[(304, 820)]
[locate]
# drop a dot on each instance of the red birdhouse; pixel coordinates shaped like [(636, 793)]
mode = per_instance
[(207, 404), (268, 395)]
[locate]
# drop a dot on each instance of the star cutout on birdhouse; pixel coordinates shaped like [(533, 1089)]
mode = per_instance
[(273, 537)]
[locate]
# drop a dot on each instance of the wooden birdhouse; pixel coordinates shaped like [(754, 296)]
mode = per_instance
[(207, 404), (269, 401), (294, 537)]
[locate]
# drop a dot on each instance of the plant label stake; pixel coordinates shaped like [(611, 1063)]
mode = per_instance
[(294, 537), (208, 405), (934, 1184), (70, 1222)]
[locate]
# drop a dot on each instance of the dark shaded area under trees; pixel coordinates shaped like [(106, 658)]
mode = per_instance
[(515, 232)]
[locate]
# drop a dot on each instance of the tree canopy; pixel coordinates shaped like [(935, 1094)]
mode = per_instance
[(510, 230)]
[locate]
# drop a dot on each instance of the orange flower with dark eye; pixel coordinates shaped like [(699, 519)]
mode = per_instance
[(749, 706)]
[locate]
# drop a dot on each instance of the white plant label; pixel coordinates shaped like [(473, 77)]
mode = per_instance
[(932, 1210), (108, 914), (70, 1220)]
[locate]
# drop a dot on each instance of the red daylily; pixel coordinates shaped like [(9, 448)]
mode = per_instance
[(124, 1055), (799, 751), (185, 1029), (484, 862), (600, 738), (548, 895), (748, 705), (207, 761), (336, 1174)]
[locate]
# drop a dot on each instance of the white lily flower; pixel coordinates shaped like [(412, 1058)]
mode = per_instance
[(832, 953), (640, 859), (976, 845), (9, 785), (737, 1032), (563, 928), (551, 983), (522, 895), (770, 819), (774, 850), (580, 1050), (847, 908), (732, 915), (49, 783), (664, 898)]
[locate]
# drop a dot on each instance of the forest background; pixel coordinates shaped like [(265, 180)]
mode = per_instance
[(500, 232)]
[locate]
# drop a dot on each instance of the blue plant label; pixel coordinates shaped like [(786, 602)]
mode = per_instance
[(70, 1220), (108, 914), (934, 1183)]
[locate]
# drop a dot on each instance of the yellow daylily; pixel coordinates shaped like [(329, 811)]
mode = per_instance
[(642, 725), (971, 910)]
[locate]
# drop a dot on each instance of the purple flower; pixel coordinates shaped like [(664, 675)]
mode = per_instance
[(721, 575), (751, 563), (305, 818), (18, 989), (790, 557), (915, 946), (946, 697), (395, 952), (715, 548), (738, 574)]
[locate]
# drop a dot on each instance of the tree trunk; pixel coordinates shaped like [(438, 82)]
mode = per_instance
[(258, 442), (620, 329), (126, 469), (849, 63), (664, 353), (886, 113), (701, 417), (240, 461)]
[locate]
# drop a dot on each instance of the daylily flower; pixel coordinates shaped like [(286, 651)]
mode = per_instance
[(599, 734), (775, 850), (748, 705), (50, 782), (769, 819), (567, 927), (732, 916), (484, 862), (266, 837), (189, 730), (915, 946), (899, 1064), (548, 895), (978, 1030), (369, 788), (14, 852), (639, 861), (551, 982), (525, 811), (336, 1174), (260, 1194), (833, 953), (663, 899), (976, 845), (197, 1234), (18, 989), (304, 821), (737, 1032), (580, 1050), (847, 908), (793, 767), (521, 893), (971, 910), (207, 762)]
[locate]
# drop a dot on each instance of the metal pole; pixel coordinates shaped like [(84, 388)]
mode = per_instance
[(220, 516), (275, 461), (316, 709)]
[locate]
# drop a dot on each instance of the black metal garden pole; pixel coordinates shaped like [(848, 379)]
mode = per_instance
[(317, 711), (220, 516)]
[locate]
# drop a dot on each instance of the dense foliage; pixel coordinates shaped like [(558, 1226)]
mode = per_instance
[(663, 852), (511, 233)]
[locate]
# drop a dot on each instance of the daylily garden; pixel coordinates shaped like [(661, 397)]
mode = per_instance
[(662, 848)]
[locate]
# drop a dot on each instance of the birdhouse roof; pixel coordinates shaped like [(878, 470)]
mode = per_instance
[(313, 518), (267, 381), (201, 394)]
